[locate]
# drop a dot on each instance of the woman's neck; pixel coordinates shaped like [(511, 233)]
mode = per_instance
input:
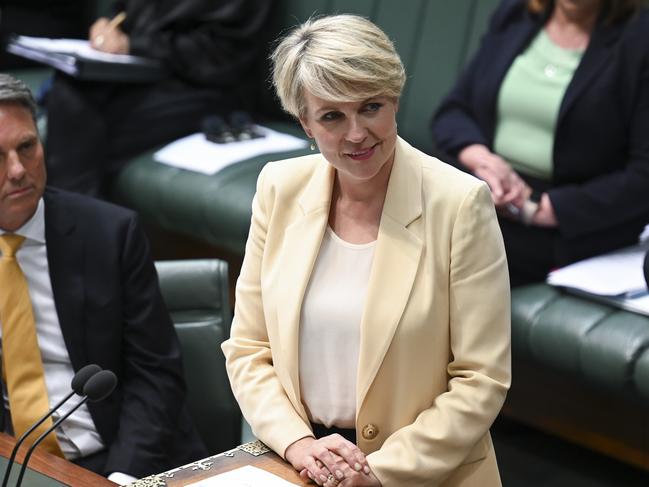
[(356, 206), (570, 28)]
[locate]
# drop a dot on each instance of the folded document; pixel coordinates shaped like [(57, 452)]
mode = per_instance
[(614, 274)]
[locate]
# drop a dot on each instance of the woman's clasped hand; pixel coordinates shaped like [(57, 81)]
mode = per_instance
[(507, 187), (331, 461)]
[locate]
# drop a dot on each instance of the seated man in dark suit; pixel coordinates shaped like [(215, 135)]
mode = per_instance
[(209, 49), (78, 287)]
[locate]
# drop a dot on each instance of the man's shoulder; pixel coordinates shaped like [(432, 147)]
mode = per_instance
[(82, 206)]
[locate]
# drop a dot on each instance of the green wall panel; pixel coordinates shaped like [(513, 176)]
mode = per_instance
[(436, 62), (481, 14), (359, 7)]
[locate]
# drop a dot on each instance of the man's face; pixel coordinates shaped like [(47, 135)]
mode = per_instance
[(22, 166)]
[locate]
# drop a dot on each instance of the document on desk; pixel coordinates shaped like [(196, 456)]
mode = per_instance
[(615, 278), (247, 476), (77, 58), (617, 273), (196, 153)]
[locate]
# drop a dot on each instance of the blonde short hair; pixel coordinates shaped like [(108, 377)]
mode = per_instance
[(337, 58)]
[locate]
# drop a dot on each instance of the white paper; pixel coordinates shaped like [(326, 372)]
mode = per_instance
[(78, 47), (196, 153), (613, 274), (247, 476), (639, 305)]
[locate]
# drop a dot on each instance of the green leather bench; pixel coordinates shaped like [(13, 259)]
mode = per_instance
[(196, 295), (581, 371)]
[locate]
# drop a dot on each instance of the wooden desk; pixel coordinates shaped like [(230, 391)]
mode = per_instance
[(58, 469), (255, 454)]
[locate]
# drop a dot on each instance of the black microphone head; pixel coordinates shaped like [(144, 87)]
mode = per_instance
[(100, 385), (81, 377)]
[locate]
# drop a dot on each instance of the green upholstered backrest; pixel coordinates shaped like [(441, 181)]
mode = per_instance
[(196, 294), (585, 340)]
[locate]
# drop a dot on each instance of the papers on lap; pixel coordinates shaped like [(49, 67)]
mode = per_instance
[(79, 47), (195, 153), (612, 274), (247, 476), (615, 278), (77, 58)]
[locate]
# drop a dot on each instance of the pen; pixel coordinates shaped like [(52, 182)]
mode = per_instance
[(113, 24), (116, 21), (638, 293)]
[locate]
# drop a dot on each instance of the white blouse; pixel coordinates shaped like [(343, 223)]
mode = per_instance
[(330, 330)]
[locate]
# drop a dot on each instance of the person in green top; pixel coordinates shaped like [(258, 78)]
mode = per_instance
[(553, 113)]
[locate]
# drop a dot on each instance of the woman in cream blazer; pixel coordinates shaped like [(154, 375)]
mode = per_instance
[(434, 358)]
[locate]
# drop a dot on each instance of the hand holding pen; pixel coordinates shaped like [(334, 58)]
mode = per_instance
[(106, 36)]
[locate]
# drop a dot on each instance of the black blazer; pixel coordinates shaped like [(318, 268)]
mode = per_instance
[(111, 313), (601, 149)]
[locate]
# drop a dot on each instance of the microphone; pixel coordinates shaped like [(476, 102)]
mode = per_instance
[(99, 387), (78, 383)]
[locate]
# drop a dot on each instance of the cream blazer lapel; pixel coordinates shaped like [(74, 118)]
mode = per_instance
[(299, 251), (396, 261)]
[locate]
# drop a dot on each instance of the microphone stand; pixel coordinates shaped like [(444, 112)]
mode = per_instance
[(23, 467), (96, 388), (24, 436)]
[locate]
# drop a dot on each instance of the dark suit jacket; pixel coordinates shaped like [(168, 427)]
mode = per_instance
[(212, 43), (111, 313), (601, 151)]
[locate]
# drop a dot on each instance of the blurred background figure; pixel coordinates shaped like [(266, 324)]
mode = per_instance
[(208, 48), (553, 113)]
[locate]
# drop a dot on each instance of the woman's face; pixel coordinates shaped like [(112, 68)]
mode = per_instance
[(357, 138)]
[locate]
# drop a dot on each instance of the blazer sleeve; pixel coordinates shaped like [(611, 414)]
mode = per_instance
[(444, 436), (151, 384), (249, 358)]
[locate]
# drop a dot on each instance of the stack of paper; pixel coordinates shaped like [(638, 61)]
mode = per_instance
[(77, 47), (616, 278), (247, 476), (196, 153), (614, 274), (77, 58)]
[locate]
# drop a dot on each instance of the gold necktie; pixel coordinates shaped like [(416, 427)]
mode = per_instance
[(22, 365)]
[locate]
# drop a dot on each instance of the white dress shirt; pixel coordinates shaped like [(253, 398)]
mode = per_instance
[(77, 436)]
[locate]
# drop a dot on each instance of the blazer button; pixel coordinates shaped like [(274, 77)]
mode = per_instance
[(370, 431)]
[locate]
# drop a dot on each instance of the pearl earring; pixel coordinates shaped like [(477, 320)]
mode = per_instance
[(313, 146)]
